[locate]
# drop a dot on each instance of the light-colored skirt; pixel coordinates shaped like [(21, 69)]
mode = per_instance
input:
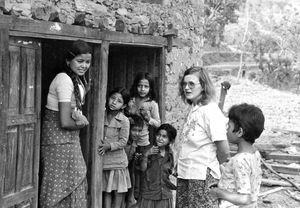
[(164, 203), (116, 180)]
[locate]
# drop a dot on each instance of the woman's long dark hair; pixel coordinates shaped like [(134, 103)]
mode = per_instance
[(78, 47)]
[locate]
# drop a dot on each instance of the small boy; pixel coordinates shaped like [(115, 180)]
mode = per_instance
[(136, 126), (156, 165), (241, 175)]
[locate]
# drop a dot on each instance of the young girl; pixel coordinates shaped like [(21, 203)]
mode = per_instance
[(142, 103), (241, 175), (63, 169), (157, 165), (115, 163), (203, 144)]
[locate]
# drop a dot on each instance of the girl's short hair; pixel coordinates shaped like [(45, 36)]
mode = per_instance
[(248, 117), (171, 131), (137, 79), (208, 93), (78, 47), (124, 93)]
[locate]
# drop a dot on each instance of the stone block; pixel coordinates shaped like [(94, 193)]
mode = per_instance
[(80, 18), (120, 25), (122, 11)]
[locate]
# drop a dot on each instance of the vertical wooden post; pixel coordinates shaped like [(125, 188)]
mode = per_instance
[(162, 91), (4, 72), (100, 79), (2, 5)]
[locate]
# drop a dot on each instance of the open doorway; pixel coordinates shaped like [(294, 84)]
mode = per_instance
[(126, 61)]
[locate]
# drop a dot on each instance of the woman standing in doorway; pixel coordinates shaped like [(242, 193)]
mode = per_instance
[(204, 144), (63, 170)]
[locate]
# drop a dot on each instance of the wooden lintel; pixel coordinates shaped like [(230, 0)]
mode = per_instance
[(128, 38), (171, 32), (55, 30)]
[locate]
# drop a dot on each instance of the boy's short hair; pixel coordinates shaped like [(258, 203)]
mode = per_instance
[(248, 117), (136, 120), (171, 131)]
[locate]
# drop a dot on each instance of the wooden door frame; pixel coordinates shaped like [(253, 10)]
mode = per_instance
[(4, 69), (12, 26)]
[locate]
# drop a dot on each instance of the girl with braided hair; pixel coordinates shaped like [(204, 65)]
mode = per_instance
[(63, 168)]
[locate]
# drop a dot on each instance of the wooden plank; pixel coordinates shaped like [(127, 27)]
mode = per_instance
[(272, 182), (54, 30), (29, 103), (51, 36), (270, 191), (286, 131), (2, 5), (285, 169), (28, 152), (14, 80), (17, 198), (281, 156), (162, 91), (11, 161), (37, 127), (22, 119), (4, 40), (100, 74), (132, 39)]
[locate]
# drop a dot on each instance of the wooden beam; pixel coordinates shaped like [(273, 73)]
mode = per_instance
[(100, 71), (272, 182), (4, 73), (270, 191), (2, 5), (132, 39), (285, 169), (55, 30), (281, 156), (51, 36), (162, 79), (286, 131)]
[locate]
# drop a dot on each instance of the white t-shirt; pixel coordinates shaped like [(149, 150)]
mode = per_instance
[(62, 90), (204, 125)]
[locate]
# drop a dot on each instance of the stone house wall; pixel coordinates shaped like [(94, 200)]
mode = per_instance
[(150, 17)]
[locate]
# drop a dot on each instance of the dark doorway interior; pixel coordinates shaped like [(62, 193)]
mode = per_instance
[(126, 61)]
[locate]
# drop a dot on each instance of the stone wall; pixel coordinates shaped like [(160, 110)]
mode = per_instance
[(138, 17)]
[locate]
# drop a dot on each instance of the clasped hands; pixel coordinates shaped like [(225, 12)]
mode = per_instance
[(79, 118)]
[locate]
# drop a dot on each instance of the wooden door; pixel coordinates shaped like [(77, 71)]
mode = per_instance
[(21, 78)]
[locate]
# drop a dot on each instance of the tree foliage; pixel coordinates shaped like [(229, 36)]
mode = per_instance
[(219, 13), (272, 38)]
